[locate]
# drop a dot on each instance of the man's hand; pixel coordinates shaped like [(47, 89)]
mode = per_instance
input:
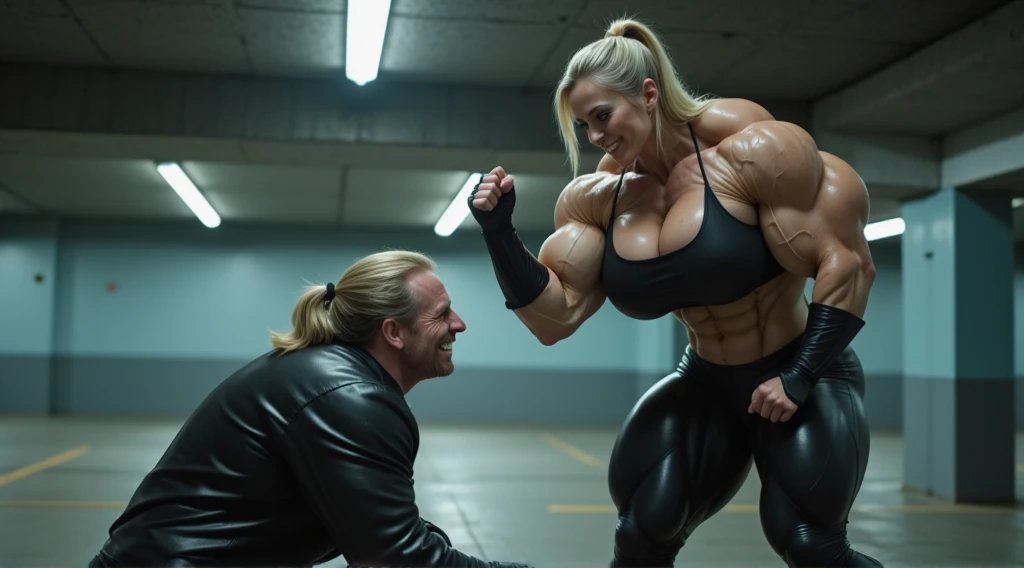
[(770, 401)]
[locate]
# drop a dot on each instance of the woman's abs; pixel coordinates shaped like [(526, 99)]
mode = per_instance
[(751, 328)]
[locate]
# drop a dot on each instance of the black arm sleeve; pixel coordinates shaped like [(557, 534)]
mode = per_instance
[(520, 275), (352, 452), (829, 331)]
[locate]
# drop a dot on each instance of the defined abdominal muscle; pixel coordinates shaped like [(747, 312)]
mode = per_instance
[(751, 328)]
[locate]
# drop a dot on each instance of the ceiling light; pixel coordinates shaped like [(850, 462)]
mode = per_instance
[(457, 210), (883, 229), (1017, 202), (366, 22), (188, 193)]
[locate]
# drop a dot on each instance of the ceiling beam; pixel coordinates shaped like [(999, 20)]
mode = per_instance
[(951, 81), (46, 143), (211, 106), (908, 162), (101, 101), (994, 148)]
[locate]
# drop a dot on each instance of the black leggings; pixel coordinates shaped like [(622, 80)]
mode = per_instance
[(688, 444)]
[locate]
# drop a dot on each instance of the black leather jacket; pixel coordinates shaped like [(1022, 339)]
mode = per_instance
[(291, 461)]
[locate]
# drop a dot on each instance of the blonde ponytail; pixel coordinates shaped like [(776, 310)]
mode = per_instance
[(370, 291), (311, 322), (629, 53)]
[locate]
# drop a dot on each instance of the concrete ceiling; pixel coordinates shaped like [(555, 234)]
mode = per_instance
[(250, 96)]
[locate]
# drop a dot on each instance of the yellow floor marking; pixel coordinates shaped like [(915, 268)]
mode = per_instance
[(571, 450), (45, 464), (590, 509), (581, 509), (64, 504), (567, 509), (866, 508)]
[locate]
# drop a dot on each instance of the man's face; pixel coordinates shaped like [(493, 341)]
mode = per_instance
[(428, 349)]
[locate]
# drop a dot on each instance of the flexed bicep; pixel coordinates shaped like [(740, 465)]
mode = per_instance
[(556, 292), (573, 255), (574, 292)]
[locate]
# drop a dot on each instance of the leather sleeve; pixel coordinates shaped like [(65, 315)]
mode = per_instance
[(352, 451)]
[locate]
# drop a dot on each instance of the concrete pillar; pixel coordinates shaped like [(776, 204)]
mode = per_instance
[(957, 262)]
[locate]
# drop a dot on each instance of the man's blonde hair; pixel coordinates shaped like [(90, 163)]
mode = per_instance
[(372, 290)]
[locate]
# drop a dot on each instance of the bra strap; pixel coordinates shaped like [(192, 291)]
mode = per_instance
[(700, 162), (615, 200)]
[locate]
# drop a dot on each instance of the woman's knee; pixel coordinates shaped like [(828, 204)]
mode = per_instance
[(652, 516), (649, 433)]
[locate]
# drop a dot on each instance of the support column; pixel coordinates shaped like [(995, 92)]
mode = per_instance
[(958, 419)]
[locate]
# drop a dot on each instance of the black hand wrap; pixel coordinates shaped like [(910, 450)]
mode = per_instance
[(521, 276), (829, 331)]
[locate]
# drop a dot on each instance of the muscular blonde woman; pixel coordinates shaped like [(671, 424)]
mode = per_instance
[(712, 211)]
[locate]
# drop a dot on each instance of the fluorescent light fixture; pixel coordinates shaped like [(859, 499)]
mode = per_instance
[(883, 229), (896, 226), (457, 209), (188, 193), (367, 20)]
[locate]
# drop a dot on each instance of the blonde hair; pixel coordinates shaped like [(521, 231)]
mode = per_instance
[(628, 53), (369, 292)]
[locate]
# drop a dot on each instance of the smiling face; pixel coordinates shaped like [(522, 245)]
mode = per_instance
[(427, 347), (620, 126)]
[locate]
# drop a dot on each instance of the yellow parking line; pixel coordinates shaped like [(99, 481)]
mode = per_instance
[(571, 450), (866, 508), (64, 504), (933, 509), (45, 464), (592, 509), (572, 509), (581, 509)]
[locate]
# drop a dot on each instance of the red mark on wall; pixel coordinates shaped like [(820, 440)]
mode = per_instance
[(111, 287)]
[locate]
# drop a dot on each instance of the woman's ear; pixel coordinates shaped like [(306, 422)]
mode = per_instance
[(650, 94)]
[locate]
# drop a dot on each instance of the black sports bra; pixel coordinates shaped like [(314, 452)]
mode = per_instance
[(727, 260)]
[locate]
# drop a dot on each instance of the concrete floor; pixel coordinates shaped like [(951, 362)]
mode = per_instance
[(526, 494)]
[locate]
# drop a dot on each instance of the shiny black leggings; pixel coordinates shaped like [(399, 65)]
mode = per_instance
[(688, 445)]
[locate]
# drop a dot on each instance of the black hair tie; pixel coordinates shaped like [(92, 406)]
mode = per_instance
[(330, 292)]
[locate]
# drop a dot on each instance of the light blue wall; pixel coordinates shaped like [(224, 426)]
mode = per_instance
[(27, 249), (28, 292), (150, 317), (192, 304), (194, 294)]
